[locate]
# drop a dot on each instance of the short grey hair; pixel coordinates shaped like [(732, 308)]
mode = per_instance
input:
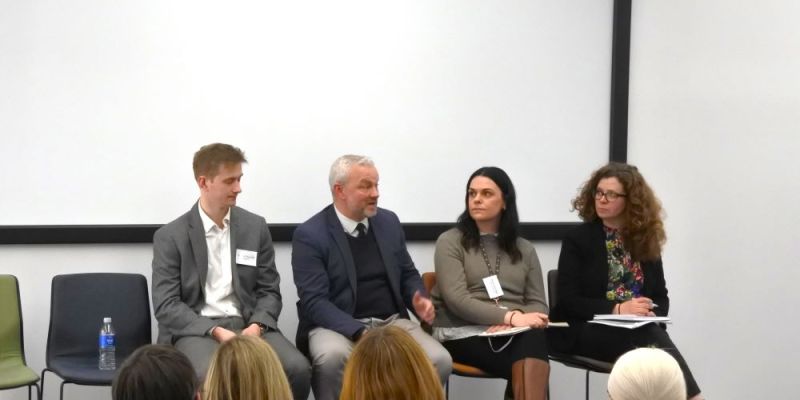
[(340, 169)]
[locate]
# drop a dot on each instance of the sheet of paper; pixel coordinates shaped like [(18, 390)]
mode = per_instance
[(518, 329), (627, 321), (629, 317), (507, 332)]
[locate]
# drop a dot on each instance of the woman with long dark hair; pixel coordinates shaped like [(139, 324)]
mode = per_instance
[(489, 278), (611, 264)]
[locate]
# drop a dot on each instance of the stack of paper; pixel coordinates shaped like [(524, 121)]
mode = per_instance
[(628, 321)]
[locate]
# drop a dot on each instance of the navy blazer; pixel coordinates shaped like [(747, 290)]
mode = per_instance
[(583, 280), (325, 273)]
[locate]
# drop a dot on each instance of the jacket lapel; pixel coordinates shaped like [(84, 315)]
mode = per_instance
[(235, 226), (336, 231), (197, 237), (386, 255)]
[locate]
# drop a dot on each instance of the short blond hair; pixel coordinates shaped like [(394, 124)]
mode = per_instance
[(207, 160), (646, 373), (246, 368), (387, 364)]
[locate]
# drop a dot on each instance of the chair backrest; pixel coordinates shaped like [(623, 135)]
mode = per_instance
[(11, 338), (429, 280), (78, 304), (552, 284)]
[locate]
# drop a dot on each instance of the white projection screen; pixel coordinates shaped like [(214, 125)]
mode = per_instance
[(104, 103)]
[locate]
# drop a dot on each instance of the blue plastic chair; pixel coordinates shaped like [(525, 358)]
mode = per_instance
[(78, 304)]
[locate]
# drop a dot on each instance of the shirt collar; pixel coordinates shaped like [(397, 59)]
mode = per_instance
[(350, 225), (208, 223)]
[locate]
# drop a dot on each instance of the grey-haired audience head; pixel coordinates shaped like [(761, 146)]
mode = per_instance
[(646, 373), (354, 186), (155, 372)]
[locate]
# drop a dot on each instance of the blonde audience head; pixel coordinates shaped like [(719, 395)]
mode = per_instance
[(246, 368), (646, 373), (387, 364)]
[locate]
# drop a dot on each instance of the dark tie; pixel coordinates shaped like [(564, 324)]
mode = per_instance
[(362, 230)]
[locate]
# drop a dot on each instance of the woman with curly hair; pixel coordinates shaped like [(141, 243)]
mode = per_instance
[(611, 264)]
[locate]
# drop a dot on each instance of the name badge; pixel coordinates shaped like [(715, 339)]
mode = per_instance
[(493, 286), (246, 257)]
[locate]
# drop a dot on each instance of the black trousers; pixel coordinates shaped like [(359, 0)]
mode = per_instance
[(607, 343), (476, 351)]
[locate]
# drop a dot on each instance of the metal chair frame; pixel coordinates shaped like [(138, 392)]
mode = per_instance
[(571, 360)]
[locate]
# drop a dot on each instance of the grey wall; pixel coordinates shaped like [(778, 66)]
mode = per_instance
[(714, 121)]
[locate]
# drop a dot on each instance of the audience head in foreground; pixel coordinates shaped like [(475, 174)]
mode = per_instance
[(646, 373), (387, 364), (246, 368), (155, 372)]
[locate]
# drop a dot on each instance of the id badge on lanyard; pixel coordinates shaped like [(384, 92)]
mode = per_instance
[(493, 289)]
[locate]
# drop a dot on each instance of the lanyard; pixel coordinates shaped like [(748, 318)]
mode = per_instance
[(486, 260), (493, 276)]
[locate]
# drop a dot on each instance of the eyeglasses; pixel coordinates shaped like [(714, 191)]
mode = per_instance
[(610, 195)]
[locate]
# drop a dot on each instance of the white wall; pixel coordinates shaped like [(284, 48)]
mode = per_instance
[(133, 88), (714, 118)]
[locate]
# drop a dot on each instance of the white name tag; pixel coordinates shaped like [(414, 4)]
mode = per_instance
[(246, 257), (493, 286)]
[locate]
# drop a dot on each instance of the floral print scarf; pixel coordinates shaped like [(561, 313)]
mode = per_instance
[(625, 278)]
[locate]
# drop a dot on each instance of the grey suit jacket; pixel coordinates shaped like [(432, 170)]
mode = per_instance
[(180, 264)]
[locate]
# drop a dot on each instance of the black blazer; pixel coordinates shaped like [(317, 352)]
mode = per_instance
[(325, 273), (583, 280)]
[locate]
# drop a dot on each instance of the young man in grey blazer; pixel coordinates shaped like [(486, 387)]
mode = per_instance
[(214, 274)]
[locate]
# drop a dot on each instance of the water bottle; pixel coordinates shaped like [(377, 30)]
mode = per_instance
[(107, 347)]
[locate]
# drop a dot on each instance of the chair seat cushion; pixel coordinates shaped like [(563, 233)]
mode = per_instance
[(81, 370), (13, 373)]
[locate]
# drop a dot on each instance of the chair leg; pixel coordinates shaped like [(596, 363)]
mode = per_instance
[(41, 390), (61, 395), (447, 389), (587, 384)]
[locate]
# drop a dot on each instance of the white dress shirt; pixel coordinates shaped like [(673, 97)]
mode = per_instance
[(218, 290), (351, 226)]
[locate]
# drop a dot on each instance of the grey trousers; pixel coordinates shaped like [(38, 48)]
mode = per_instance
[(330, 350), (199, 350)]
